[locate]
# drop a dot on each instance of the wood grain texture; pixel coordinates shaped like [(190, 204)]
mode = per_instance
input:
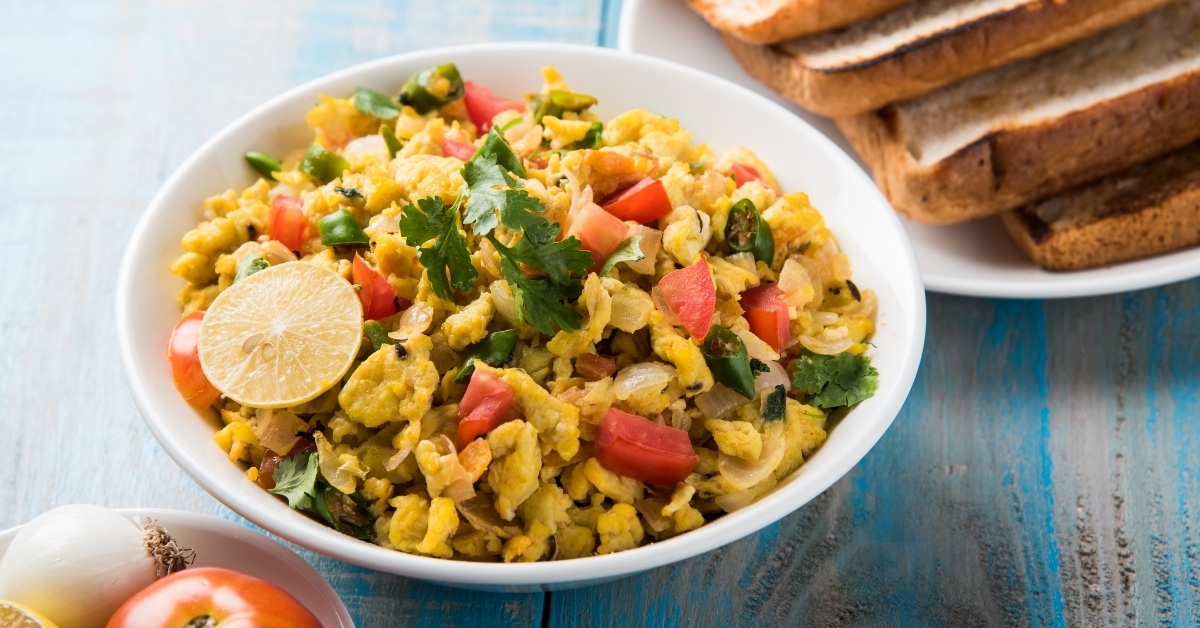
[(1043, 472)]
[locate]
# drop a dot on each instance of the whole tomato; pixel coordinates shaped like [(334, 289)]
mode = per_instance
[(212, 597)]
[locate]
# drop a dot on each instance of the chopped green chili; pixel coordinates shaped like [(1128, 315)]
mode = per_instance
[(593, 139), (249, 265), (496, 350), (747, 232), (263, 163), (558, 102), (377, 335), (774, 404), (341, 229), (389, 137), (432, 87), (726, 356), (322, 165)]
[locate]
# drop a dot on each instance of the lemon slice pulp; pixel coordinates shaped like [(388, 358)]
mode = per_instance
[(13, 615), (281, 336)]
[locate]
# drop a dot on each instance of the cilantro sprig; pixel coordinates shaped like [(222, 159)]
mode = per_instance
[(544, 272), (835, 381), (296, 479)]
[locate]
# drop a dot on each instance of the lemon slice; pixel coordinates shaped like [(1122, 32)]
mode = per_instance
[(281, 336), (13, 615)]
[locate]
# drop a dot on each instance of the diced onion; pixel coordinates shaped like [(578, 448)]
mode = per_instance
[(824, 319), (830, 342), (277, 430), (651, 510), (650, 244), (502, 299), (719, 401), (744, 261), (777, 376), (740, 499), (483, 516), (757, 347), (367, 147), (383, 223), (275, 253), (640, 377), (796, 284), (741, 473), (415, 320)]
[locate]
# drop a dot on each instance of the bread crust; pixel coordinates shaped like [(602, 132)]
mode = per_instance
[(940, 59), (1017, 165), (1150, 209), (788, 19)]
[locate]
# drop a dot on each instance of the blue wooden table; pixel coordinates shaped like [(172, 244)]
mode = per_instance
[(1043, 471)]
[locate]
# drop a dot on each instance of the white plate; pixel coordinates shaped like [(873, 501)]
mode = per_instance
[(975, 259), (221, 543), (803, 159)]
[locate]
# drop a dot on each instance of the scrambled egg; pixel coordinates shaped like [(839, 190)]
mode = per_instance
[(394, 464)]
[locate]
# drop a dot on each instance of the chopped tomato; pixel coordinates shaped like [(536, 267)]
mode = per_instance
[(641, 202), (638, 448), (288, 224), (464, 151), (599, 233), (692, 296), (212, 596), (743, 174), (482, 106), (768, 315), (377, 295), (185, 362), (483, 407)]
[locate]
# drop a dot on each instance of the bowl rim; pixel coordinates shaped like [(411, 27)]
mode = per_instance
[(314, 536)]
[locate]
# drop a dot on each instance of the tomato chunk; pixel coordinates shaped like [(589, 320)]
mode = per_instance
[(483, 407), (482, 106), (184, 358), (692, 296), (768, 315), (464, 151), (287, 223), (599, 233), (638, 448), (641, 202), (743, 174), (377, 295)]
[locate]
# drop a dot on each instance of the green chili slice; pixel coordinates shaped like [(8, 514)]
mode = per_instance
[(747, 232), (726, 357), (432, 87), (341, 229), (263, 163), (249, 265), (377, 335), (593, 139), (558, 102), (322, 165), (495, 350), (389, 137)]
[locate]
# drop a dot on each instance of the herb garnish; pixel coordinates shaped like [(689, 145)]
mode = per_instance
[(835, 381)]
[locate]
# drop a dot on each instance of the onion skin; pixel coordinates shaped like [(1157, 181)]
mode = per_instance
[(76, 564)]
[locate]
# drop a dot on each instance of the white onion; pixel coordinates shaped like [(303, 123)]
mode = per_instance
[(824, 319), (740, 499), (742, 473), (719, 401), (77, 564), (367, 147), (502, 298), (745, 261), (777, 376), (756, 347), (415, 320), (648, 376), (832, 341), (650, 244), (796, 284)]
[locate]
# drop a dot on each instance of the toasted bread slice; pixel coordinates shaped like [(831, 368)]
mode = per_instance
[(1149, 209), (919, 47), (770, 21), (1027, 130)]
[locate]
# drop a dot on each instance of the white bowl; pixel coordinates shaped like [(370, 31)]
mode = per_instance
[(718, 113), (221, 543)]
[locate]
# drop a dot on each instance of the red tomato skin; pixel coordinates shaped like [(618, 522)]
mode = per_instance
[(184, 358), (377, 295), (482, 106), (638, 448), (692, 296), (288, 224), (599, 233), (233, 599), (484, 406), (743, 174), (768, 315), (642, 202), (464, 151)]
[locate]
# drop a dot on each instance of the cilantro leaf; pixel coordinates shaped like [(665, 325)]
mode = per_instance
[(562, 260), (487, 192), (835, 381), (495, 146), (296, 479), (539, 301), (375, 104), (448, 260), (629, 251)]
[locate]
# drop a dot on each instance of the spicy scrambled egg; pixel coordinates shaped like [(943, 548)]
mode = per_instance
[(532, 488)]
